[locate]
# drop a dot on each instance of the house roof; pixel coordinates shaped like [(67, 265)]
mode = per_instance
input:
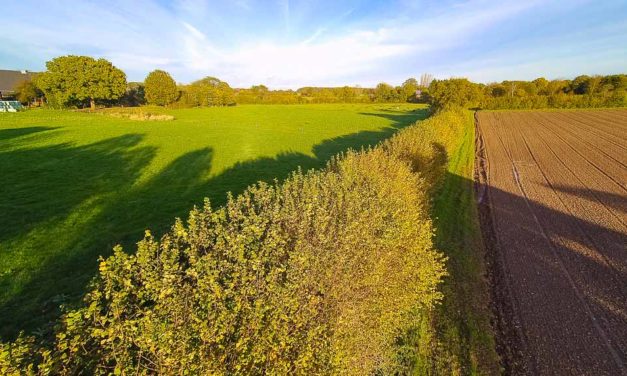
[(9, 79)]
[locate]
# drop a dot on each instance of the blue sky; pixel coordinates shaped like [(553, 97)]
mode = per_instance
[(289, 43)]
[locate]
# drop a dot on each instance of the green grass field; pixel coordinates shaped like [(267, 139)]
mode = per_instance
[(75, 184)]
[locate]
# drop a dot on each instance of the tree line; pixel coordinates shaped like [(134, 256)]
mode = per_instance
[(82, 81), (581, 92)]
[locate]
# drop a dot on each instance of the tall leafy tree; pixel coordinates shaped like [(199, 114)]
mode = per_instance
[(72, 79), (160, 88)]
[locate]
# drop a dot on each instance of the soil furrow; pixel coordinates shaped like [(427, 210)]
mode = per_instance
[(598, 130), (595, 155), (560, 252)]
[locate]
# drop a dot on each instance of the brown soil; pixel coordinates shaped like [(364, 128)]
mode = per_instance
[(552, 189)]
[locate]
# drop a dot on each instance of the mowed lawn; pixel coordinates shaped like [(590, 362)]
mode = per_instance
[(72, 184)]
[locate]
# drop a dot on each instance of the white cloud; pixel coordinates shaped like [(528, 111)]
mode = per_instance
[(194, 38), (330, 60)]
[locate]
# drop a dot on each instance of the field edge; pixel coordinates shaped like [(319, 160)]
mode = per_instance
[(463, 323)]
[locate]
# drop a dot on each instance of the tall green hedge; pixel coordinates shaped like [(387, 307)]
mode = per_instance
[(320, 274)]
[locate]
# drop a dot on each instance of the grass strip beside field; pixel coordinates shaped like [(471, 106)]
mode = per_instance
[(464, 335)]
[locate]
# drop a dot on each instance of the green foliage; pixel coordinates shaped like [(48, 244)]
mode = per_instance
[(384, 93), (409, 88), (454, 92), (582, 92), (209, 91), (387, 93), (319, 274), (135, 95), (159, 88), (27, 92), (127, 175), (72, 80)]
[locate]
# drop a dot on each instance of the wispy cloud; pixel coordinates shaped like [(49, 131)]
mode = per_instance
[(291, 44)]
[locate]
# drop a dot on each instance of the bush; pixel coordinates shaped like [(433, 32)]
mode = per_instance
[(320, 274), (426, 145)]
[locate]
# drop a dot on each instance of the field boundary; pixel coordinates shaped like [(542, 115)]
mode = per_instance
[(462, 324)]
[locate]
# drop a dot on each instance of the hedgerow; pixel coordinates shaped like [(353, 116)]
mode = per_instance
[(320, 274)]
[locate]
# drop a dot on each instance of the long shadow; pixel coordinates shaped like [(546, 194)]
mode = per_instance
[(399, 116), (527, 269), (613, 200), (558, 286), (43, 183), (109, 170), (6, 134), (47, 196), (529, 265)]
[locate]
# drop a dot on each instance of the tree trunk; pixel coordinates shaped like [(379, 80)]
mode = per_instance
[(92, 104)]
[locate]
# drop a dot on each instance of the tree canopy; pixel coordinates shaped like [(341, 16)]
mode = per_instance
[(209, 91), (454, 92), (409, 88), (75, 79), (160, 88), (27, 91)]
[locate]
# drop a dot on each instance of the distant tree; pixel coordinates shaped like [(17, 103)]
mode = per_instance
[(593, 85), (27, 92), (496, 90), (558, 86), (580, 84), (160, 88), (210, 91), (409, 88), (455, 92), (259, 88), (134, 96), (383, 92), (74, 79), (226, 95), (615, 81), (347, 94), (542, 85)]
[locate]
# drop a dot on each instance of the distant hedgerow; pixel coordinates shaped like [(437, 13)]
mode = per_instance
[(319, 274)]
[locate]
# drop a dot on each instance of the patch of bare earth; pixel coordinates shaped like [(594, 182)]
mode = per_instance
[(555, 213)]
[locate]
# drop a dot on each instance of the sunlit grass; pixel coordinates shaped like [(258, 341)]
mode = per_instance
[(74, 184)]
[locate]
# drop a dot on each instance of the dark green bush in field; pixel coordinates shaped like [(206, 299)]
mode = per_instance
[(321, 274)]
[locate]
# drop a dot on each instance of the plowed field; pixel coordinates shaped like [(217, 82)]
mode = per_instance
[(554, 204)]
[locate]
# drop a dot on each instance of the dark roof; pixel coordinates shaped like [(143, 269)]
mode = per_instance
[(9, 78)]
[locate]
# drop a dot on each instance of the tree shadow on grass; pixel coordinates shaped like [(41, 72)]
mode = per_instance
[(400, 116), (88, 199), (44, 183), (6, 134)]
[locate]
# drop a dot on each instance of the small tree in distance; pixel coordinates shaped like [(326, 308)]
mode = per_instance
[(409, 88), (27, 92), (160, 88)]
